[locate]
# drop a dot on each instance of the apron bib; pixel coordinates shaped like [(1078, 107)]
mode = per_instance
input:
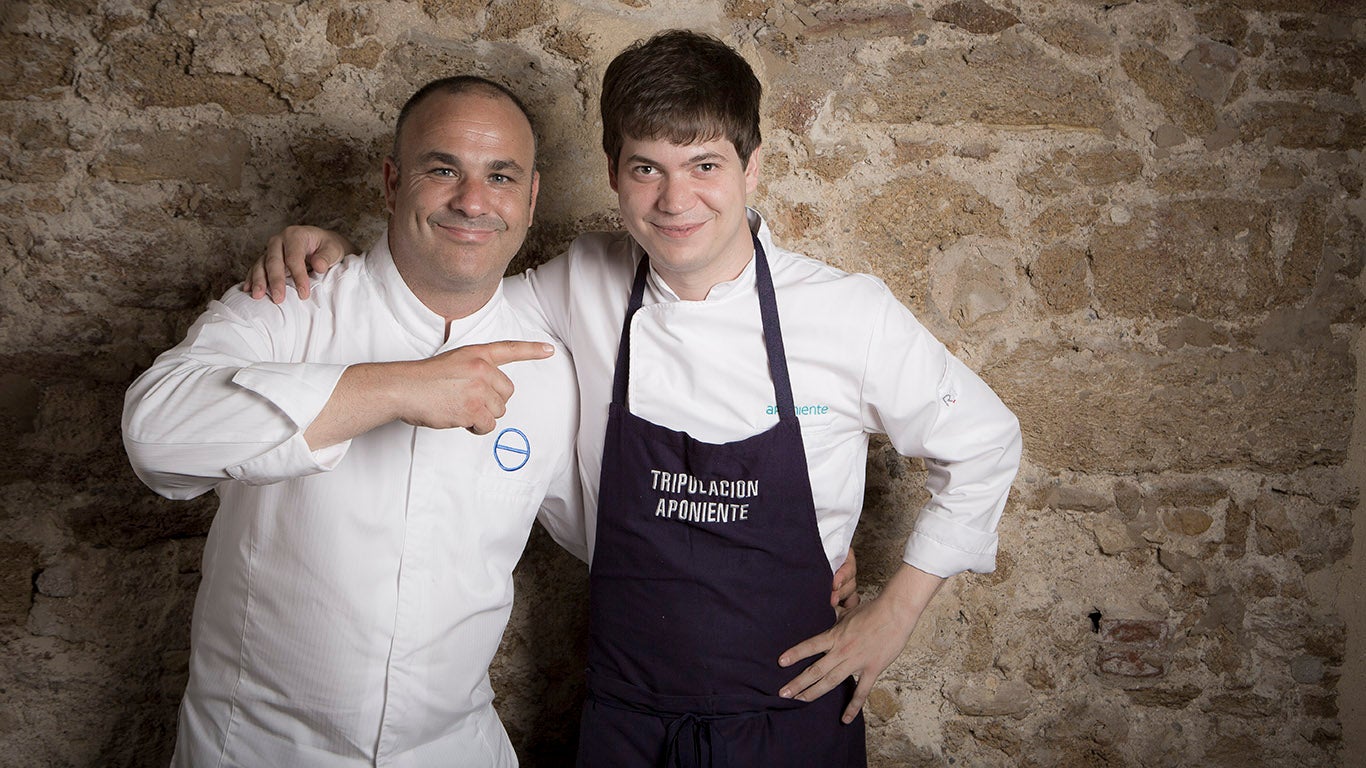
[(708, 564)]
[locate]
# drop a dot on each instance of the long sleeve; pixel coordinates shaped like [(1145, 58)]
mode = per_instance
[(544, 293), (227, 403), (931, 405), (562, 511)]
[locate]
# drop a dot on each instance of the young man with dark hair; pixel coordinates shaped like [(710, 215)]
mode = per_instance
[(729, 388), (358, 574)]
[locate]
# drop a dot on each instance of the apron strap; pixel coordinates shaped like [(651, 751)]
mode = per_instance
[(624, 348), (768, 315), (773, 334)]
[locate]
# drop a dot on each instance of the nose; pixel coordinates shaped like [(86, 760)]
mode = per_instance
[(676, 195), (469, 197)]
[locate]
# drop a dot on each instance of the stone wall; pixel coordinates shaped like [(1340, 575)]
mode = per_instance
[(1141, 222)]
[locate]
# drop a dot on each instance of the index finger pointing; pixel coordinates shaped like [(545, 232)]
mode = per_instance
[(501, 352)]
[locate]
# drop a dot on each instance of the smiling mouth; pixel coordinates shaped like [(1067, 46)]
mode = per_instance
[(678, 231), (468, 234)]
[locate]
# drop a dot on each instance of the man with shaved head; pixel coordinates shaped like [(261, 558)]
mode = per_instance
[(380, 450)]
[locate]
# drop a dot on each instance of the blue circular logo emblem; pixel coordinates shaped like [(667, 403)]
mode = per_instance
[(511, 449)]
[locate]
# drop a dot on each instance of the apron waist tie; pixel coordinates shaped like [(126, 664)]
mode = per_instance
[(691, 743), (690, 739)]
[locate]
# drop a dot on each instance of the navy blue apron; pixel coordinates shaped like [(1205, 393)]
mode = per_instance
[(708, 564)]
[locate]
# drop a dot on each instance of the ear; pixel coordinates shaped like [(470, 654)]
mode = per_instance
[(612, 173), (390, 184), (535, 190), (752, 170)]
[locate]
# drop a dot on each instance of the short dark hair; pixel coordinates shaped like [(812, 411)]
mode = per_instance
[(681, 86), (454, 86)]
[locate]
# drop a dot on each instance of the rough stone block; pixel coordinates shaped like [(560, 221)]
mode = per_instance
[(1237, 522), (854, 22), (1185, 491), (1115, 537), (18, 561), (1171, 88), (1277, 175), (1173, 697), (1195, 177), (974, 16), (1065, 170), (1276, 532), (1064, 219), (1320, 706), (1223, 24), (152, 70), (1307, 669), (993, 699), (446, 9), (1187, 522), (1315, 535), (507, 19), (1127, 662), (972, 282), (203, 155), (1224, 610), (1167, 136), (1211, 67), (1145, 633), (1301, 125), (1244, 705), (913, 215), (1192, 331), (1186, 568), (1131, 410), (36, 67), (1079, 498), (1080, 37), (1059, 274), (1006, 82), (883, 704), (20, 398), (1211, 255), (1310, 62)]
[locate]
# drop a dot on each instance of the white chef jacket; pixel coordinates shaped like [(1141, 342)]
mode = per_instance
[(860, 364), (352, 597)]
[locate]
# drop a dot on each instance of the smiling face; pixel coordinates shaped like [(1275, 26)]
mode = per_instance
[(685, 205), (460, 191)]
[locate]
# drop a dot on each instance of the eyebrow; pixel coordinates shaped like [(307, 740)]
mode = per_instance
[(701, 157), (448, 159)]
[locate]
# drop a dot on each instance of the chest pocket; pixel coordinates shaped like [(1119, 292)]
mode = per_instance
[(506, 509), (815, 422), (500, 490)]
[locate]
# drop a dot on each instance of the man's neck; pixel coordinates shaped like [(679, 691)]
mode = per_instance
[(451, 301), (453, 307), (697, 284)]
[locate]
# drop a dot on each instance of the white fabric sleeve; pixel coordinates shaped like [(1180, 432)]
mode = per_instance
[(221, 405), (545, 291), (931, 405), (562, 511)]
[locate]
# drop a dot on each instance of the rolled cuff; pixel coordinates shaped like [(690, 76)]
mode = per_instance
[(288, 460), (299, 391), (940, 546)]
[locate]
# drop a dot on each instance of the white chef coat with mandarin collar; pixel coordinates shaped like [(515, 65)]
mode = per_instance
[(352, 597), (860, 364)]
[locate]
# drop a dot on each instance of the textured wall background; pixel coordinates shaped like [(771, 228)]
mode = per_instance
[(1141, 222)]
